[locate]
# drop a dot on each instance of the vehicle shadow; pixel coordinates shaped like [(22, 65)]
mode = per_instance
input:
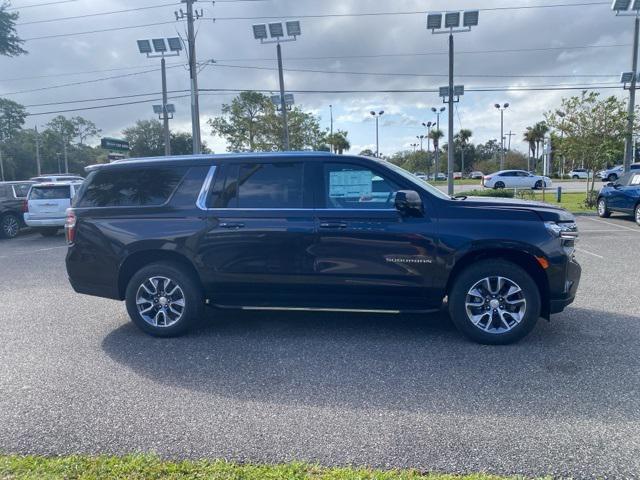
[(583, 363)]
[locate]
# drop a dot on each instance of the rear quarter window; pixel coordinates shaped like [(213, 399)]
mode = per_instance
[(138, 187), (57, 192), (21, 190)]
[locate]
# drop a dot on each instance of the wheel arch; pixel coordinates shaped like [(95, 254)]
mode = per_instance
[(523, 259), (137, 260)]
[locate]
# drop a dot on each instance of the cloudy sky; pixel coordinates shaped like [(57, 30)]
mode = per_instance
[(516, 45)]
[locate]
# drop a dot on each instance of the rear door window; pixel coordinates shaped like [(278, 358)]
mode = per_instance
[(259, 185), (130, 188), (54, 192)]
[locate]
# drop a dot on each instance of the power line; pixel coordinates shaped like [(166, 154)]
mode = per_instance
[(402, 74), (86, 72), (41, 4), (89, 15), (89, 32)]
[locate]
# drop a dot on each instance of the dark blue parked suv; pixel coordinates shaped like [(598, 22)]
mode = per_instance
[(313, 231), (622, 196)]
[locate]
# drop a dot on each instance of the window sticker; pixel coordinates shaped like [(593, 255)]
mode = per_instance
[(635, 180), (350, 184)]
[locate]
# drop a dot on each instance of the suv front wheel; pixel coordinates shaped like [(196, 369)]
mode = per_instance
[(494, 302), (9, 226), (164, 299)]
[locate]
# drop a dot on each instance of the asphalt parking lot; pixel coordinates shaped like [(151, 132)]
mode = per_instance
[(378, 390)]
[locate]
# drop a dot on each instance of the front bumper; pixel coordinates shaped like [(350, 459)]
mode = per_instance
[(44, 221), (572, 280)]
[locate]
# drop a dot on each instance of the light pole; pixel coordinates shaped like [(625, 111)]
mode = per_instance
[(37, 138), (161, 51), (502, 108), (377, 116), (428, 126), (621, 7), (276, 32), (331, 128), (414, 145), (421, 138), (437, 111), (451, 26)]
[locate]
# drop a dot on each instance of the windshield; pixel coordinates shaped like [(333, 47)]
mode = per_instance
[(413, 179)]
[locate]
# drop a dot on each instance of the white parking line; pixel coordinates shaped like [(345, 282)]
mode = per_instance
[(613, 224), (31, 251), (590, 253)]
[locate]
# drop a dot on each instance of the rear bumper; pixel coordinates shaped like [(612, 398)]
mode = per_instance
[(572, 280), (31, 221)]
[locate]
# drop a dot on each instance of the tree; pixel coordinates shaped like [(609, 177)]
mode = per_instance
[(12, 118), (529, 136), (462, 139), (593, 131), (10, 43), (64, 128), (251, 123), (85, 129), (244, 124), (339, 142), (367, 152), (145, 138)]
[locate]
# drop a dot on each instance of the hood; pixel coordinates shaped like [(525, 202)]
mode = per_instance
[(546, 211)]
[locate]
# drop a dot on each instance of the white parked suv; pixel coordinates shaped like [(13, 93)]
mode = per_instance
[(46, 205), (579, 174), (515, 179)]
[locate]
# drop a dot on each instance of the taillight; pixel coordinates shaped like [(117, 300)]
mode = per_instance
[(70, 226), (25, 206)]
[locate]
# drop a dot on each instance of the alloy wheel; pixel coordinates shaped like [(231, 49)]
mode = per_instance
[(495, 304), (10, 226), (160, 301), (638, 214), (602, 207)]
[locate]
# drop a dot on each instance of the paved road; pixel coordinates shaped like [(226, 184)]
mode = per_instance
[(568, 186), (385, 391)]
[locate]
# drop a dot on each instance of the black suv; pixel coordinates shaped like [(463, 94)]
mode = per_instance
[(313, 230), (12, 197)]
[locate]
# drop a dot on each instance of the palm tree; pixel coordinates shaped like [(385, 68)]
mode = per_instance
[(339, 142), (436, 135), (463, 137), (529, 136), (540, 129)]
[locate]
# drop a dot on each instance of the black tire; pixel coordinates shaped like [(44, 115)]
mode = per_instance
[(539, 184), (476, 272), (193, 297), (576, 177), (9, 226), (636, 213), (498, 185), (603, 209), (612, 177), (49, 231)]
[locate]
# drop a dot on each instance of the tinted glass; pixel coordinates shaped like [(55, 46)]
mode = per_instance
[(635, 167), (21, 190), (261, 185), (355, 187), (624, 179), (131, 188), (50, 193)]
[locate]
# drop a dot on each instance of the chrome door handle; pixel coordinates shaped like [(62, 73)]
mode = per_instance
[(231, 225), (333, 225)]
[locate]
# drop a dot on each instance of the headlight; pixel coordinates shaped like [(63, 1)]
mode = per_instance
[(564, 230)]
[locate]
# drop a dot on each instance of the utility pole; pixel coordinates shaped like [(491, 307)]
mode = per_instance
[(38, 151), (165, 113), (283, 104), (450, 149), (628, 146), (1, 166), (331, 129), (66, 155), (502, 108), (377, 115), (510, 134), (191, 16)]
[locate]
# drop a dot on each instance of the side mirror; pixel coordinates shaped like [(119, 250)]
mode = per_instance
[(409, 203)]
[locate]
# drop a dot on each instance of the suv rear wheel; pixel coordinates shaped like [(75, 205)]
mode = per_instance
[(164, 299), (494, 302), (9, 226)]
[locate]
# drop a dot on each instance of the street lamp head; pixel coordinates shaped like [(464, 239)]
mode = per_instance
[(620, 5), (470, 18), (276, 30), (434, 21), (452, 19), (260, 31), (442, 109), (293, 28), (626, 77), (144, 46), (175, 44), (381, 112), (506, 105), (497, 105), (159, 45), (373, 113), (434, 109)]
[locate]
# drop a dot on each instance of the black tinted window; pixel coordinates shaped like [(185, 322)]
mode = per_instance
[(21, 190), (260, 185), (131, 188), (50, 193)]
